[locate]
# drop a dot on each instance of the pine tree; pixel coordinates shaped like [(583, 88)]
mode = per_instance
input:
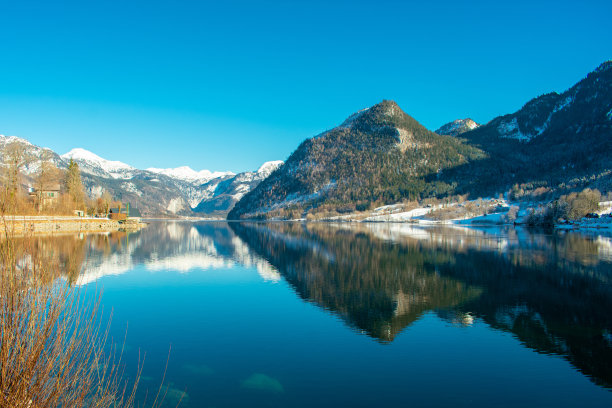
[(74, 185)]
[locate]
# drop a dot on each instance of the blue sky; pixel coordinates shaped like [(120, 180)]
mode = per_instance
[(229, 85)]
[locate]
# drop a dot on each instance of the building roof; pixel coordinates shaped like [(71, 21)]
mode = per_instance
[(134, 212)]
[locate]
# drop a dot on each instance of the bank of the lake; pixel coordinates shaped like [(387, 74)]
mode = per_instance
[(65, 224)]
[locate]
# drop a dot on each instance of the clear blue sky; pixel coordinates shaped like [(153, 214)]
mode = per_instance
[(227, 85)]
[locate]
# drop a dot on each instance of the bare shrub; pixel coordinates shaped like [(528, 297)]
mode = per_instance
[(54, 343), (512, 214), (577, 205)]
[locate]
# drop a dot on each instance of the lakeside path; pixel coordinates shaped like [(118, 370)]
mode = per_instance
[(48, 224)]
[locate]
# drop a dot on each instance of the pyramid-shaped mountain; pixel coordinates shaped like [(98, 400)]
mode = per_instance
[(379, 154)]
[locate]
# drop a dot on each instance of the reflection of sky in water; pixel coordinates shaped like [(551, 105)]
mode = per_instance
[(238, 340)]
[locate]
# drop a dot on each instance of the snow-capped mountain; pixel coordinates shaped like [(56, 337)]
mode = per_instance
[(178, 191), (188, 174), (229, 191), (457, 127), (32, 154), (93, 164), (267, 168)]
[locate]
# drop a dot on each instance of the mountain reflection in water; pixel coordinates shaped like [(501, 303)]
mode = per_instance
[(553, 292)]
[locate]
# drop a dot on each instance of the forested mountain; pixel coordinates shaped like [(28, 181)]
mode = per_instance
[(555, 143), (377, 154)]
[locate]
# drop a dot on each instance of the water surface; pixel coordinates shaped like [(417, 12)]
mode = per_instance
[(317, 315)]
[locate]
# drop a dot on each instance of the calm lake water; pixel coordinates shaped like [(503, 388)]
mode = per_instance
[(318, 315)]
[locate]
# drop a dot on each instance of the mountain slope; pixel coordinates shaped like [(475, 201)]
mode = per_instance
[(379, 153), (228, 191), (457, 127), (179, 191), (553, 144), (32, 154), (189, 175), (156, 192), (555, 141)]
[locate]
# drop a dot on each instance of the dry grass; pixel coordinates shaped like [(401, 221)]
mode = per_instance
[(55, 349)]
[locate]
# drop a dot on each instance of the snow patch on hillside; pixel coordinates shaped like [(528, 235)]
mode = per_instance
[(458, 126), (268, 168), (510, 130), (563, 104)]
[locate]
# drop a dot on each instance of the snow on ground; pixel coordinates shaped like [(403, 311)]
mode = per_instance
[(395, 213), (604, 223), (398, 216)]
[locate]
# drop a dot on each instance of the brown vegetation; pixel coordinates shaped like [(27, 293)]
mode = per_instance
[(55, 349), (55, 191)]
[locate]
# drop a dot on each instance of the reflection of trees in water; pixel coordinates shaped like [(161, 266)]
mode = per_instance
[(551, 291), (63, 254), (376, 286)]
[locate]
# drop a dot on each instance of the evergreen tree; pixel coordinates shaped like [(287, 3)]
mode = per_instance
[(74, 185)]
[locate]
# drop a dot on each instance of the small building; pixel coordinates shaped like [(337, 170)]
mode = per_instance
[(125, 213), (45, 198)]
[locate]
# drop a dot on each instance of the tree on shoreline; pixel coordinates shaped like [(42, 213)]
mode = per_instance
[(74, 185)]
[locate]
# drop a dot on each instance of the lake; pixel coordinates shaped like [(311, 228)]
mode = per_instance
[(322, 315)]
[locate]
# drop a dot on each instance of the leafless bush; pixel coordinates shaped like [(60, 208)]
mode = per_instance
[(55, 349)]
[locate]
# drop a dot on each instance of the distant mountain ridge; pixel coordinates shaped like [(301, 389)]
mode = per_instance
[(554, 143), (457, 127), (186, 173), (156, 192)]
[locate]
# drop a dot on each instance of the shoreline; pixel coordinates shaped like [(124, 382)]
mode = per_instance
[(64, 224)]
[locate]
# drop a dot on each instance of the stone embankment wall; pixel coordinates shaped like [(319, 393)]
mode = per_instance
[(44, 224)]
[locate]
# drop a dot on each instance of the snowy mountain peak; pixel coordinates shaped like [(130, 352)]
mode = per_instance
[(188, 174), (457, 127), (268, 168), (12, 139), (80, 154), (93, 164)]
